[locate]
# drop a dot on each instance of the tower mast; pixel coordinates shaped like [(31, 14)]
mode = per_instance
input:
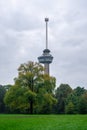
[(46, 20)]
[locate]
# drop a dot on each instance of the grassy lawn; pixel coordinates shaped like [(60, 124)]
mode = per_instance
[(43, 122)]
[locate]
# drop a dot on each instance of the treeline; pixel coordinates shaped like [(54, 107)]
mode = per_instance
[(35, 93)]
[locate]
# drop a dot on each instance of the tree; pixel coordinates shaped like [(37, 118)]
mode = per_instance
[(29, 75), (61, 94), (2, 94), (31, 89), (79, 91), (15, 99), (69, 108), (83, 104), (74, 97)]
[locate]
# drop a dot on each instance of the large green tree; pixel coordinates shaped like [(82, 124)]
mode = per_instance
[(32, 89), (61, 94), (74, 98)]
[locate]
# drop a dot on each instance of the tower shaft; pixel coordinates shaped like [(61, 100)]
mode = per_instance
[(46, 66)]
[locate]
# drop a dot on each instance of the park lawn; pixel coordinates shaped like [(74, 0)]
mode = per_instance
[(43, 122)]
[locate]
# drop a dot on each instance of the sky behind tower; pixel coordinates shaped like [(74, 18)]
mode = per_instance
[(22, 38)]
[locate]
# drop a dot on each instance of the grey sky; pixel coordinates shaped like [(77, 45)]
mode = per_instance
[(22, 38)]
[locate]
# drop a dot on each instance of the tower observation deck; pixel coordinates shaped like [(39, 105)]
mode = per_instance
[(46, 58)]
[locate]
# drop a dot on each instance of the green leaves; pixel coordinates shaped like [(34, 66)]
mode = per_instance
[(62, 93), (31, 96), (83, 104), (49, 99), (2, 94), (32, 90), (69, 108), (16, 100)]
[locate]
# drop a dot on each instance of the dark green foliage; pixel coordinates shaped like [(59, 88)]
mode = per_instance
[(74, 98), (16, 100), (83, 104), (2, 94), (62, 93), (79, 91), (69, 108)]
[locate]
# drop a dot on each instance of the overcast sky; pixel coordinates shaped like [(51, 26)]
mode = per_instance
[(22, 38)]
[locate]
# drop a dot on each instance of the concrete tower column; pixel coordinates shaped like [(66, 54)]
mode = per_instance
[(46, 66)]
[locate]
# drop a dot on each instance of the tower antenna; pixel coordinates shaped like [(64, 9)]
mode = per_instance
[(46, 20)]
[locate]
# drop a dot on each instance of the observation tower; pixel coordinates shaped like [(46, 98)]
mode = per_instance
[(46, 58)]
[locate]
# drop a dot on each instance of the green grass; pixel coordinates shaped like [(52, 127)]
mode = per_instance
[(43, 122)]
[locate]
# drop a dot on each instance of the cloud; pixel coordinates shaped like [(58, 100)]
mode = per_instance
[(22, 37)]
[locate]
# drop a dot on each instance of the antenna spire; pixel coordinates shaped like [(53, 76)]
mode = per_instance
[(46, 20)]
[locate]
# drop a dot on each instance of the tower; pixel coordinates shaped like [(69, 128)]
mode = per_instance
[(46, 58)]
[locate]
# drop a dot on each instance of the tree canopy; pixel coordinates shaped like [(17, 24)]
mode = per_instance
[(32, 90), (36, 92)]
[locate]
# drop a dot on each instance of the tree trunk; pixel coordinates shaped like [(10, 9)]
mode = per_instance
[(31, 107)]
